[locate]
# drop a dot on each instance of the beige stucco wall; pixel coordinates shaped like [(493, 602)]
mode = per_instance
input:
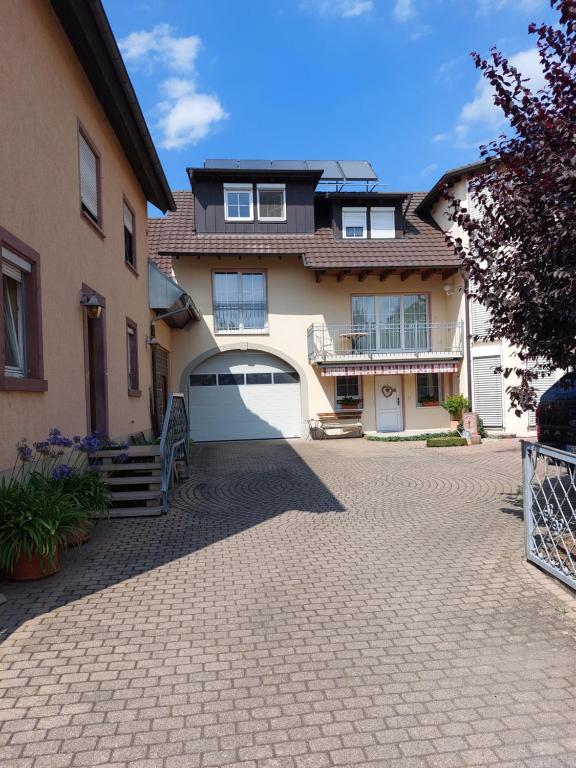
[(45, 92), (295, 301)]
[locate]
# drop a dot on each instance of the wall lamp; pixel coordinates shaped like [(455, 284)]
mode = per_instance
[(448, 289), (92, 304)]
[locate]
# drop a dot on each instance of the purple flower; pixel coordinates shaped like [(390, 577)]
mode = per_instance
[(55, 437), (89, 444), (43, 448), (24, 451), (62, 472)]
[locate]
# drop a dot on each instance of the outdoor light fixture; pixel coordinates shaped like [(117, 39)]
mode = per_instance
[(152, 341), (448, 289), (92, 304)]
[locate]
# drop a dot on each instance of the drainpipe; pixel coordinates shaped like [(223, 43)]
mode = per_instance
[(468, 337)]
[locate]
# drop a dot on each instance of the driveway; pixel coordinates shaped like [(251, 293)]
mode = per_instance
[(304, 604)]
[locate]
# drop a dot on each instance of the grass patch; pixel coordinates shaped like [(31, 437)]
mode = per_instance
[(445, 442), (410, 438)]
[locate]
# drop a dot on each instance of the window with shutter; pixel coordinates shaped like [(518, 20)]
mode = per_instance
[(382, 223), (89, 180), (129, 246), (132, 352), (487, 390), (354, 222)]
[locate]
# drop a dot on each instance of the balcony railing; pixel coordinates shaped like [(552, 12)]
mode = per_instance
[(372, 341)]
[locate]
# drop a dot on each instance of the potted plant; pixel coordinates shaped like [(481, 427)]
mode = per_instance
[(92, 497), (428, 401), (455, 405), (350, 403), (36, 520)]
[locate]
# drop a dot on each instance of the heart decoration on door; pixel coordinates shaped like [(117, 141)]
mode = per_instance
[(388, 391)]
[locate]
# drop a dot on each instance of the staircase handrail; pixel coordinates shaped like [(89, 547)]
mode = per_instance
[(173, 441)]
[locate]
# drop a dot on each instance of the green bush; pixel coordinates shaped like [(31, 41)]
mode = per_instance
[(455, 405), (409, 438), (445, 442)]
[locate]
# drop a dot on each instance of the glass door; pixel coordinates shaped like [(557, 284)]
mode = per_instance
[(415, 322), (389, 323)]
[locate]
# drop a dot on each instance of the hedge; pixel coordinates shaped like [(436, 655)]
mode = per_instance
[(445, 442)]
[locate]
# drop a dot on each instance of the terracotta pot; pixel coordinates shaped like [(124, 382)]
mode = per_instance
[(82, 534), (454, 423), (350, 406), (430, 405), (34, 567)]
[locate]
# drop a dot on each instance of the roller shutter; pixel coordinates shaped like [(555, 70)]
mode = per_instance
[(487, 390)]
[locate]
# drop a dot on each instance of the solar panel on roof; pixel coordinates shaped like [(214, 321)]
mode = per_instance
[(332, 170)]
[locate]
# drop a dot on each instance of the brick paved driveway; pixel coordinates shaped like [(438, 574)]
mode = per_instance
[(341, 603)]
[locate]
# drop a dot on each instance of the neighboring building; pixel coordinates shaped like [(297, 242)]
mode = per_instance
[(313, 299), (487, 386), (77, 170)]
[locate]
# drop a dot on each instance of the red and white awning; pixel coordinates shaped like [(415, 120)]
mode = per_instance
[(383, 370)]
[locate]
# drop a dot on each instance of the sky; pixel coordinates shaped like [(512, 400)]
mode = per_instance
[(389, 81)]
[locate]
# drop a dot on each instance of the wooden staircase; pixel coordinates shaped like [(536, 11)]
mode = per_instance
[(133, 477)]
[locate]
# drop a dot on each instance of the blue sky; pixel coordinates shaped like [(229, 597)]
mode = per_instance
[(389, 81)]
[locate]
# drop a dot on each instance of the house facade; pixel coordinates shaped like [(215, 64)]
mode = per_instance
[(74, 188), (487, 390), (317, 294)]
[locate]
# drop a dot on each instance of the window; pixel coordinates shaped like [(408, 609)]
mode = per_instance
[(354, 222), (89, 180), (240, 302), (132, 350), (428, 390), (129, 242), (258, 378), (230, 379), (203, 380), (348, 392), (272, 202), (238, 205), (20, 320), (288, 377), (391, 322), (382, 223)]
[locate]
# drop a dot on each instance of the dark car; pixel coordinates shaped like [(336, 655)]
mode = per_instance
[(556, 414)]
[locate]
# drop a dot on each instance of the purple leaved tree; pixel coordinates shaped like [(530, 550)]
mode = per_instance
[(520, 252)]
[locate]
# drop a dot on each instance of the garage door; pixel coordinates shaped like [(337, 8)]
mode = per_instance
[(244, 396)]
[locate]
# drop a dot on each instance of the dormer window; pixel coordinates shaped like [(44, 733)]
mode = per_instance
[(271, 202), (238, 202), (382, 223), (354, 222)]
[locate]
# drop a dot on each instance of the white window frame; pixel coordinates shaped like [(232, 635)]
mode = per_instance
[(280, 187), (357, 212), (16, 268), (241, 330), (338, 398), (387, 234), (440, 390), (244, 187)]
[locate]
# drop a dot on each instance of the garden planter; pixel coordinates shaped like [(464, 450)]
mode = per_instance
[(81, 535), (35, 567), (431, 405), (454, 423), (350, 406)]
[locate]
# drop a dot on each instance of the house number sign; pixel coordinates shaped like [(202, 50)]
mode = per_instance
[(388, 391)]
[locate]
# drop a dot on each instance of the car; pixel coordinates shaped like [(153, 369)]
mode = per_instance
[(556, 414)]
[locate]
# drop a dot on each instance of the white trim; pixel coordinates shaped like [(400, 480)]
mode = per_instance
[(389, 234), (359, 213), (16, 260), (271, 186), (239, 188)]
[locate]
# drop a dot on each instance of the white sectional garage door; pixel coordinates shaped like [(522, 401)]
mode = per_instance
[(244, 396)]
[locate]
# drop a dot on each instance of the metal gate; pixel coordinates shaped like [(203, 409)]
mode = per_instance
[(550, 510)]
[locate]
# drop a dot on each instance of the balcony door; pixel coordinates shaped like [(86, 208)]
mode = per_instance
[(392, 322)]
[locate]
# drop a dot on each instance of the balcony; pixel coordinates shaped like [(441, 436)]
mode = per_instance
[(375, 342)]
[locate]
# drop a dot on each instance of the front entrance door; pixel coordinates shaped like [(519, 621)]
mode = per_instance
[(95, 366), (389, 403)]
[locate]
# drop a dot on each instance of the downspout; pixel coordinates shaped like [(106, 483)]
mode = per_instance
[(468, 337)]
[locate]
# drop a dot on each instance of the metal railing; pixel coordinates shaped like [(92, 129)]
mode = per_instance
[(550, 510), (376, 341), (173, 442)]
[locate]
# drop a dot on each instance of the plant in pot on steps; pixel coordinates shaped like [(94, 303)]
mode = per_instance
[(455, 405)]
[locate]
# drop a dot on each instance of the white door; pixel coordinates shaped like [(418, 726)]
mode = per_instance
[(389, 403), (244, 396)]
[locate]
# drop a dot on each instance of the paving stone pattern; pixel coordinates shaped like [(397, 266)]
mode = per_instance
[(303, 604)]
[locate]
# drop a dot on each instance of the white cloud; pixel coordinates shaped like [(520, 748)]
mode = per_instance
[(344, 8), (160, 46), (486, 7), (480, 119), (186, 114), (429, 169), (404, 10)]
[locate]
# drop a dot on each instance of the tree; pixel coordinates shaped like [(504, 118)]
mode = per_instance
[(520, 253)]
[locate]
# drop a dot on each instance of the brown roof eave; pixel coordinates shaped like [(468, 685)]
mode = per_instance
[(88, 29), (448, 178)]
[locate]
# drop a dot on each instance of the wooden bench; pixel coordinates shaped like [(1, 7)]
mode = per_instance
[(341, 424)]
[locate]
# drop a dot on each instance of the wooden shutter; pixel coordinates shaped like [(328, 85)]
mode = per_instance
[(89, 179), (487, 390), (382, 223)]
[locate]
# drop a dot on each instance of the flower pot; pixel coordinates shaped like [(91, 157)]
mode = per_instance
[(430, 405), (82, 534), (34, 567), (350, 406), (454, 423)]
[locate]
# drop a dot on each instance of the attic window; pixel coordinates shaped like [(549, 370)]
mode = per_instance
[(382, 224), (238, 203), (354, 222), (272, 202)]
